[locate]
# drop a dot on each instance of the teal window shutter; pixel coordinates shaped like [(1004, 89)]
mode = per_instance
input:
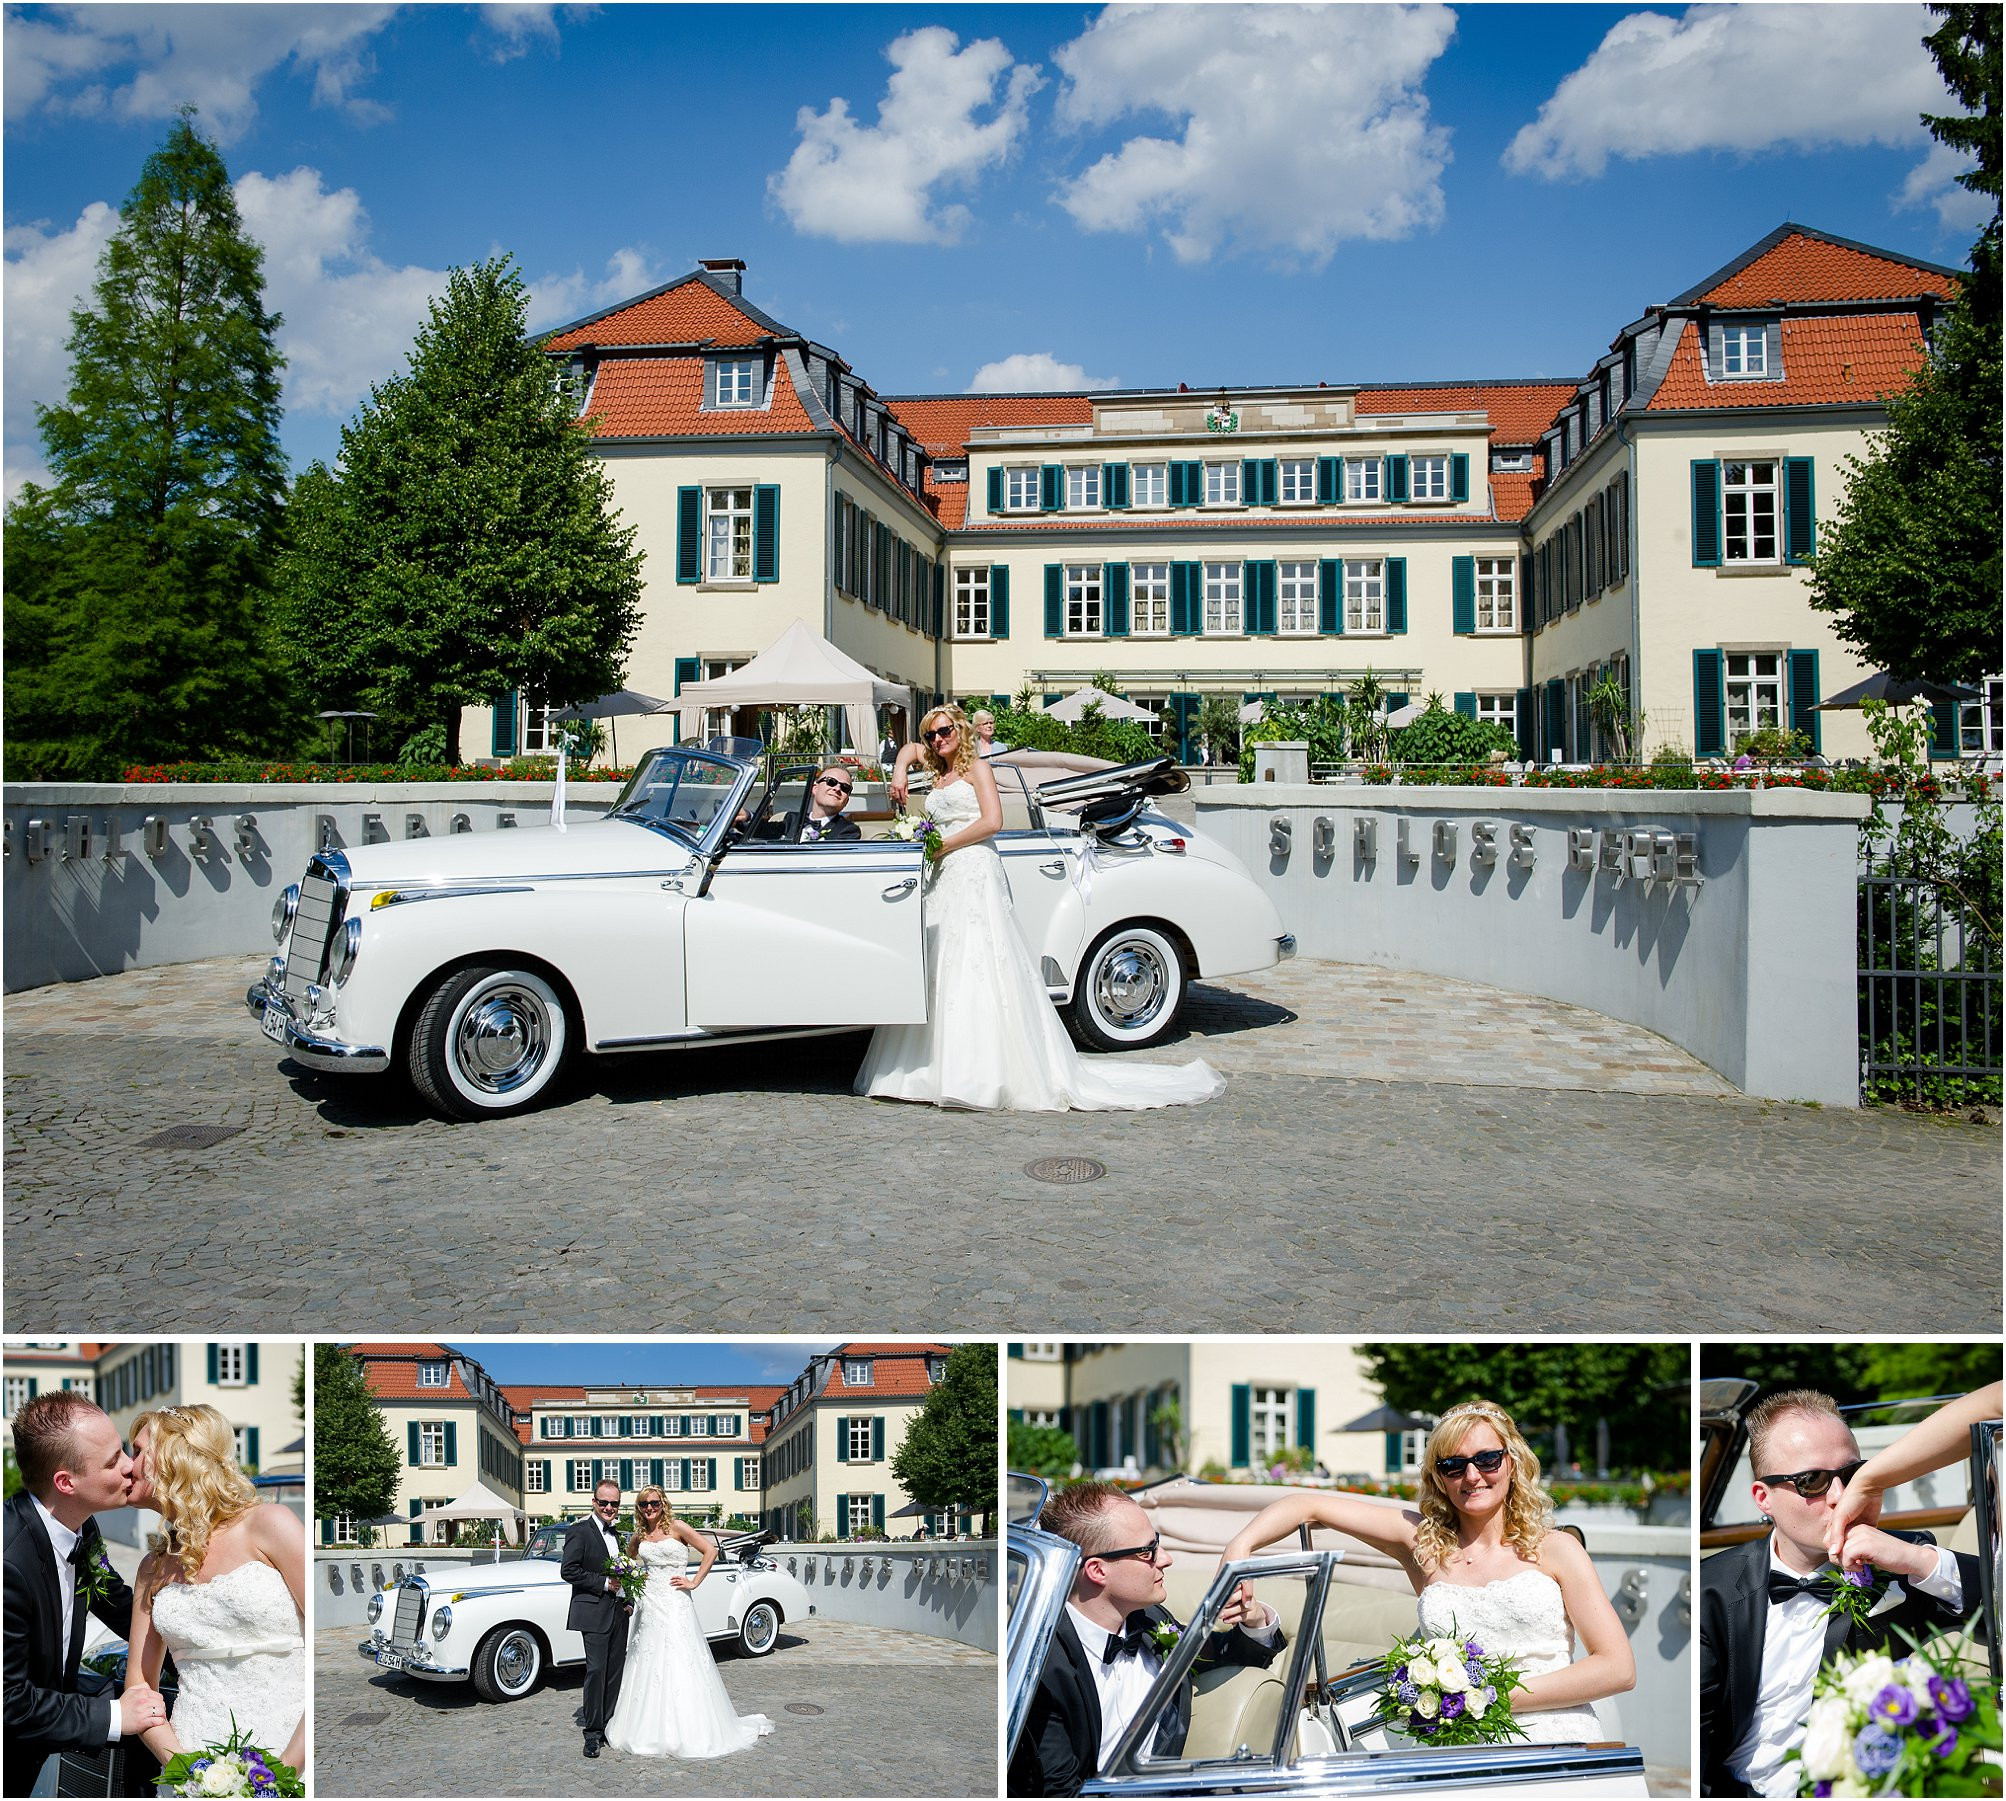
[(1463, 596), (1114, 485), (1804, 696), (251, 1446), (1942, 730), (766, 533), (1052, 487), (1466, 704), (1800, 528), (1258, 481), (842, 1438), (999, 600), (842, 1516), (689, 535), (1179, 713), (1459, 476), (1152, 1438), (1306, 1418), (1528, 747), (1396, 478), (1330, 595), (878, 1439), (1259, 589), (326, 1530), (1185, 589), (411, 1442), (710, 1473), (1187, 484), (416, 1534), (1243, 1425), (1706, 515), (452, 1444), (626, 1472), (1114, 596), (878, 1512), (1709, 704), (1396, 594), (738, 1472), (1055, 600), (212, 1366), (502, 742), (1329, 481), (939, 614), (996, 490), (1393, 1457)]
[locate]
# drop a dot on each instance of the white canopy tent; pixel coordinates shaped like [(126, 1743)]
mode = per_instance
[(1072, 708), (800, 668), (479, 1503)]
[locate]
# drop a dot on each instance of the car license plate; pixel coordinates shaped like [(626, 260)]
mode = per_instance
[(273, 1025), (390, 1660)]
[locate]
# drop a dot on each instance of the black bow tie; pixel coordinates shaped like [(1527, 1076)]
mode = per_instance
[(1133, 1636), (87, 1536), (1787, 1588)]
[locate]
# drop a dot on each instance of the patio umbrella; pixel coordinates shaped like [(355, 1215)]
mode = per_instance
[(622, 703), (1896, 692), (1073, 707), (1405, 715), (1385, 1419)]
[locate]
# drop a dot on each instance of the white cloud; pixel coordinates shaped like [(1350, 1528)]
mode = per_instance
[(1932, 183), (867, 184), (48, 273), (1737, 78), (514, 26), (1298, 127), (1035, 372), (137, 62), (557, 299)]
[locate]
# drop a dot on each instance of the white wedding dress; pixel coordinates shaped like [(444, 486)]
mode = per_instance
[(241, 1656), (672, 1700), (991, 1038), (1522, 1616)]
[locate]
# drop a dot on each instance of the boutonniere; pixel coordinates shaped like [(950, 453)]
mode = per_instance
[(1164, 1636), (1859, 1595), (95, 1576)]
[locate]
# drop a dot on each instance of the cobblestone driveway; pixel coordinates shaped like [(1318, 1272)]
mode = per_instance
[(856, 1710), (1488, 1163)]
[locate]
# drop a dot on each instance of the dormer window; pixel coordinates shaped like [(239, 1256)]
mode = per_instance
[(1744, 351), (857, 1372), (735, 381), (432, 1375)]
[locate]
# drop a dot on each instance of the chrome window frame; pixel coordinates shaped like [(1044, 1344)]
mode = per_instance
[(1047, 1563)]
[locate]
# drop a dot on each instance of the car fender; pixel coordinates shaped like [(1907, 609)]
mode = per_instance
[(1229, 923)]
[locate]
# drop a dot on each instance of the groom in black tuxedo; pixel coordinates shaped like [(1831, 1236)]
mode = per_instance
[(1102, 1662), (597, 1610), (73, 1466), (1762, 1637)]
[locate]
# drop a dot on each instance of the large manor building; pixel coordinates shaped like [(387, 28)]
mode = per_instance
[(1504, 543)]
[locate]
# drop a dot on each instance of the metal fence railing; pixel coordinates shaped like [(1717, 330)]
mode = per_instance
[(1930, 1025)]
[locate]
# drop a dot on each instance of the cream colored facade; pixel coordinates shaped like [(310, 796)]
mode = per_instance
[(699, 1446), (452, 1427)]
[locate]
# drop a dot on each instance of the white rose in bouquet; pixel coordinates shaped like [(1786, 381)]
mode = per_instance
[(1420, 1672), (1428, 1704), (1480, 1700), (1851, 1788), (1828, 1739), (1868, 1677), (1442, 1649), (225, 1776), (1450, 1676)]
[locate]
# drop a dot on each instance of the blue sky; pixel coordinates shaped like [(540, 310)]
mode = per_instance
[(699, 1362), (983, 196)]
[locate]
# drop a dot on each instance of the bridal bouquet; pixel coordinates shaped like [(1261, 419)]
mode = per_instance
[(1913, 1726), (235, 1767), (1449, 1691), (629, 1575), (916, 828)]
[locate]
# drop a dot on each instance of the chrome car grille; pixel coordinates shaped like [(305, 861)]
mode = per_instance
[(409, 1616), (314, 926)]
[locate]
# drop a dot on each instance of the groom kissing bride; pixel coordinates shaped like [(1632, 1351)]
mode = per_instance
[(73, 1466)]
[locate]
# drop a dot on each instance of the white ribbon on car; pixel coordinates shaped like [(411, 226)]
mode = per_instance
[(250, 1647), (557, 799)]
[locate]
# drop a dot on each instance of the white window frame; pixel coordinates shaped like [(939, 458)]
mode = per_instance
[(1499, 709), (435, 1373), (1043, 1350), (1981, 723), (1365, 597), (1041, 1416), (672, 1475), (700, 1476), (1295, 481), (860, 1439), (1413, 1448), (1428, 477), (1086, 615), (1743, 489), (1224, 597), (1148, 600), (609, 1425), (431, 1444), (1748, 347), (1083, 487), (727, 558), (532, 1476), (1270, 1413), (1222, 483), (1023, 490), (1497, 595), (1295, 594), (857, 1373), (672, 1425), (1148, 485), (17, 1394), (341, 1529), (862, 1515), (1364, 480), (1754, 692), (737, 383), (240, 1446), (750, 1475), (971, 603), (232, 1365), (539, 733)]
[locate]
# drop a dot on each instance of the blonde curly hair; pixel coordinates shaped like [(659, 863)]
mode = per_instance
[(197, 1485), (965, 752), (641, 1530), (1528, 1514)]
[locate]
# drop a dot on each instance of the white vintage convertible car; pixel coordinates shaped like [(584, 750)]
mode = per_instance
[(501, 1626), (480, 963)]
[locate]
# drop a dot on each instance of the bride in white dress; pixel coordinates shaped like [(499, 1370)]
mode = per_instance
[(991, 1038), (222, 1587), (672, 1700), (1480, 1548)]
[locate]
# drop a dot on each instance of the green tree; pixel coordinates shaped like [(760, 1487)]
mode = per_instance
[(1641, 1391), (356, 1464), (948, 1459), (1042, 1451), (138, 582), (1909, 562), (1440, 736), (1854, 1373), (465, 546)]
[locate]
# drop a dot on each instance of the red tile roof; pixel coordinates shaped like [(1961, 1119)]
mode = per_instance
[(1826, 361), (1519, 411), (645, 397), (1805, 267), (1512, 495), (941, 425), (691, 312), (898, 1371), (391, 1371), (949, 501)]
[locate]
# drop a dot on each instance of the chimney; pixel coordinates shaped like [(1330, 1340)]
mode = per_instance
[(728, 272)]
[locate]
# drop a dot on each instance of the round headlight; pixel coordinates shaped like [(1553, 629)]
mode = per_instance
[(442, 1622), (283, 910), (375, 1607), (341, 959)]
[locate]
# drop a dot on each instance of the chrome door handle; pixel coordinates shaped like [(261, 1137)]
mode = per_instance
[(898, 890), (675, 883), (1056, 867)]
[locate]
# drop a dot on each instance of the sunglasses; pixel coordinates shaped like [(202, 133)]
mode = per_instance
[(649, 1506), (614, 1504), (823, 781), (1488, 1461), (1813, 1483), (938, 731), (1148, 1551)]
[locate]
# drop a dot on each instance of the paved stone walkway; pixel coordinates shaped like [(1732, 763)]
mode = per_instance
[(1486, 1164), (856, 1710)]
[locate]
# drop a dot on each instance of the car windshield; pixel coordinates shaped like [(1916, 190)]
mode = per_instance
[(678, 791), (547, 1545)]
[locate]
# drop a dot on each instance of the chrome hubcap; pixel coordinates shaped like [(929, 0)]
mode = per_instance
[(515, 1662), (502, 1038), (1130, 985), (759, 1625)]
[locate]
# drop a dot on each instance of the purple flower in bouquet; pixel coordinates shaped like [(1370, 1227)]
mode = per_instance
[(1893, 1706), (1863, 1577), (1875, 1751), (1425, 1728), (1452, 1707), (1952, 1698), (1472, 1650), (1407, 1693), (1821, 1788), (1944, 1744)]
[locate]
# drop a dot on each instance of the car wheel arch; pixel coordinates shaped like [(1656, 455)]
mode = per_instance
[(421, 991), (1151, 922)]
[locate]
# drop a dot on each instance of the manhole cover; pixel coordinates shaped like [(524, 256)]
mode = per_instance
[(365, 1719), (190, 1138), (1065, 1169), (803, 1707)]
